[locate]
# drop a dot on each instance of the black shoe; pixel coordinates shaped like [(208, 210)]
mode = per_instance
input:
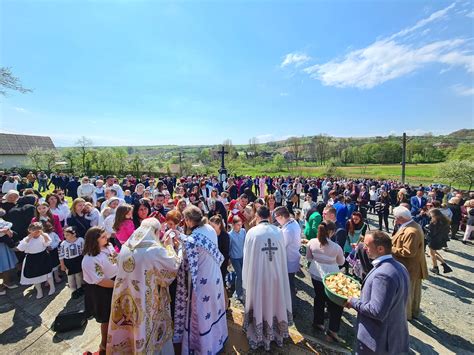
[(464, 242), (318, 327), (446, 268), (435, 270)]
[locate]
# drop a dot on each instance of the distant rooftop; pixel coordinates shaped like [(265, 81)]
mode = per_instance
[(13, 144)]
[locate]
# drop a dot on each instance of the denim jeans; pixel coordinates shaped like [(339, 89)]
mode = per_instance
[(237, 264)]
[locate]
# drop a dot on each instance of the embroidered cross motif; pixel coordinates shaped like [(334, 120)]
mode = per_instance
[(203, 281), (206, 298), (269, 249), (208, 316)]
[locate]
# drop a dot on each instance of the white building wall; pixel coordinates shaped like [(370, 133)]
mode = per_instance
[(13, 161)]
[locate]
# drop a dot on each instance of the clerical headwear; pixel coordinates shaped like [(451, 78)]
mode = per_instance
[(146, 232)]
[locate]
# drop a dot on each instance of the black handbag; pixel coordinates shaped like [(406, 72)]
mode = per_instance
[(69, 321)]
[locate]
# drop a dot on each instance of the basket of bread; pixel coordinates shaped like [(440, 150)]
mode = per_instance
[(339, 287)]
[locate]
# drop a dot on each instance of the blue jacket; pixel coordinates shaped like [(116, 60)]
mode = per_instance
[(341, 214), (415, 205), (382, 325)]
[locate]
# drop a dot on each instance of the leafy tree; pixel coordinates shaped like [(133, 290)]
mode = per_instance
[(9, 82), (71, 156), (136, 163), (459, 172), (35, 154), (50, 157), (279, 161), (464, 151)]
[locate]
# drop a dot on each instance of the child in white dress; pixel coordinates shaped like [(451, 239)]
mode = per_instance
[(36, 265)]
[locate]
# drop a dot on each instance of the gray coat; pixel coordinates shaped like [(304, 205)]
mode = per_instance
[(381, 310)]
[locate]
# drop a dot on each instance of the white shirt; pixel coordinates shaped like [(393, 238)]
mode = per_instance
[(34, 246), (381, 258), (100, 267), (7, 186), (324, 258), (85, 190), (55, 241), (94, 217), (292, 239), (118, 189), (69, 250)]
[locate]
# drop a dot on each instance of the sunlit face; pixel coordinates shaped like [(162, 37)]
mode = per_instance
[(237, 226), (171, 224), (356, 219), (103, 240), (42, 210), (142, 212), (114, 204), (53, 201), (182, 205), (159, 200), (70, 237), (370, 247), (129, 214), (36, 233), (79, 207)]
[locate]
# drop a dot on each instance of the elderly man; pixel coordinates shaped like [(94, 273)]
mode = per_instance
[(408, 248), (381, 321)]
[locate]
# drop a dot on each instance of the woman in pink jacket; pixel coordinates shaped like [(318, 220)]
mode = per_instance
[(123, 225)]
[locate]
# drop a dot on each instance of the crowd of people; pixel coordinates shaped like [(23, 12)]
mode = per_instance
[(157, 259)]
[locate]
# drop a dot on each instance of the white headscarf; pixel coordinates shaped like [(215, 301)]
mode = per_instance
[(145, 234)]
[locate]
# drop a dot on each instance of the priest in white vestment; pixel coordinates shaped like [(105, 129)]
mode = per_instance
[(200, 311), (266, 286), (140, 320)]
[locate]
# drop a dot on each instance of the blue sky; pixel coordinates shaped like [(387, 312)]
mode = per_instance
[(150, 72)]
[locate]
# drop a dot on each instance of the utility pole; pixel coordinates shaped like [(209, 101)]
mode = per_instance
[(404, 156), (180, 164)]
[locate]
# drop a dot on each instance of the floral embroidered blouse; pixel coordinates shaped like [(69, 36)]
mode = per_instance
[(100, 267)]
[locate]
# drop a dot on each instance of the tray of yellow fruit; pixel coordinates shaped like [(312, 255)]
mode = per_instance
[(339, 287)]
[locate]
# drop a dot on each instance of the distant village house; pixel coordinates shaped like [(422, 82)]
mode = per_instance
[(14, 148)]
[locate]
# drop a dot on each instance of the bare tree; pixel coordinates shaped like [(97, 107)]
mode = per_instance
[(83, 144), (296, 148), (322, 147), (313, 154), (10, 82), (253, 148)]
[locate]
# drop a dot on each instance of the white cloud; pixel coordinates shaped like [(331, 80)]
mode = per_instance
[(284, 94), (462, 90), (20, 109), (393, 57), (433, 17), (295, 59), (471, 14)]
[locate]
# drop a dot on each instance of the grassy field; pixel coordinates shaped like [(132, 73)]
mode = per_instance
[(415, 174)]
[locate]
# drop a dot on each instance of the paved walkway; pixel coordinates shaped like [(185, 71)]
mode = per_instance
[(444, 328)]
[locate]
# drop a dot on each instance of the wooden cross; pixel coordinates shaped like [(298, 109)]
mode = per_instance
[(222, 152), (269, 249)]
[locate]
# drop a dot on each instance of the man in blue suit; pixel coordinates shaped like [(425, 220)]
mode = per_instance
[(417, 203), (381, 310)]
